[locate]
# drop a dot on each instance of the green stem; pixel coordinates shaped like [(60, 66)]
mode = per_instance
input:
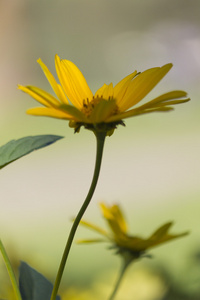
[(126, 262), (100, 137), (10, 272)]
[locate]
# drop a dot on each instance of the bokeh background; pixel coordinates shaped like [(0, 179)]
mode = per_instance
[(151, 167)]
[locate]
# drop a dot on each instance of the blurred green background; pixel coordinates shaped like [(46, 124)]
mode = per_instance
[(151, 167)]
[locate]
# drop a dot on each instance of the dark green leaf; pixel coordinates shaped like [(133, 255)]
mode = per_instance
[(18, 148), (33, 285)]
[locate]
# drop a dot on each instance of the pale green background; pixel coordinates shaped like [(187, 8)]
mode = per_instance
[(151, 167)]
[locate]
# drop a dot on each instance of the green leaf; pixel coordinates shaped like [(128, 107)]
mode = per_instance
[(18, 148), (33, 285)]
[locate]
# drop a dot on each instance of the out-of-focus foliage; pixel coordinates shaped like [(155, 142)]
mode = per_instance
[(187, 286), (146, 283)]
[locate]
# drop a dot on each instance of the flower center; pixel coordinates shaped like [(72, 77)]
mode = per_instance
[(98, 122), (88, 106)]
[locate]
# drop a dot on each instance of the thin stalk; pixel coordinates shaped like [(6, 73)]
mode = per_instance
[(100, 138), (10, 272), (125, 264)]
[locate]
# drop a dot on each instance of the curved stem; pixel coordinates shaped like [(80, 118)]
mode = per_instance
[(10, 272), (100, 137), (125, 264)]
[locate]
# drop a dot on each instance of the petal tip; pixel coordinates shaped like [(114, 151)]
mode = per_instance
[(39, 60), (168, 66)]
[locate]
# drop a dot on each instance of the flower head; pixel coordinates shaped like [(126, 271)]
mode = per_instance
[(120, 239), (104, 110)]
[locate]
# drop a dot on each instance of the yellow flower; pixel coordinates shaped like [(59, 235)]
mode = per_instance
[(121, 240), (105, 109)]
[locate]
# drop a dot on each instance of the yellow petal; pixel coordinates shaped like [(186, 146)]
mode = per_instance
[(117, 214), (160, 103), (164, 98), (106, 91), (142, 85), (73, 82), (161, 231), (49, 112), (121, 87), (100, 91), (64, 111), (55, 86), (105, 211), (90, 241), (161, 235), (113, 222), (40, 95), (62, 95), (94, 227), (136, 112), (169, 96)]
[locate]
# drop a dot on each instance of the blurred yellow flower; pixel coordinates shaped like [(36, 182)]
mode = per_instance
[(121, 240), (74, 294), (105, 109)]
